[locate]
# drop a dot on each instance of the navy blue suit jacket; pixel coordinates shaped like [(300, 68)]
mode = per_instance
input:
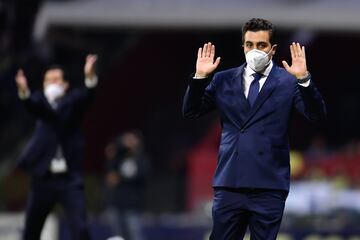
[(254, 148), (61, 126)]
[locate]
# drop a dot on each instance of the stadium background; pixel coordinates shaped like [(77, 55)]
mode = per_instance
[(147, 50)]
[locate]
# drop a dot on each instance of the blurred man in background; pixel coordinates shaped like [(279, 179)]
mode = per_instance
[(128, 169), (54, 154), (255, 102)]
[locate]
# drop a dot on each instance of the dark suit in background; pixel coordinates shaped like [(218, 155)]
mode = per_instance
[(57, 127)]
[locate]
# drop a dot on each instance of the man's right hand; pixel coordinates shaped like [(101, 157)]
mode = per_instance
[(21, 81), (205, 64)]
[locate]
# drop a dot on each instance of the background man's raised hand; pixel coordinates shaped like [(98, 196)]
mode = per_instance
[(21, 81), (89, 68), (205, 64)]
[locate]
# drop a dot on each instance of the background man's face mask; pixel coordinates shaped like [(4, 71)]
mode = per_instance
[(258, 60), (54, 91)]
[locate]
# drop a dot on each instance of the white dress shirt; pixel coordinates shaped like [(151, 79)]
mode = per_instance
[(248, 78)]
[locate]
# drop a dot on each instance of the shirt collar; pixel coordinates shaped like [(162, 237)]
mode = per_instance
[(266, 72)]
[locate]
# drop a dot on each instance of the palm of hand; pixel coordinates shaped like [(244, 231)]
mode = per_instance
[(205, 64), (298, 66)]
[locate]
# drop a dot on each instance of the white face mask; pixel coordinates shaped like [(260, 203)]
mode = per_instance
[(258, 60), (54, 91)]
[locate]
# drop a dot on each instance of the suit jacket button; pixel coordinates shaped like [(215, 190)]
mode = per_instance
[(260, 152)]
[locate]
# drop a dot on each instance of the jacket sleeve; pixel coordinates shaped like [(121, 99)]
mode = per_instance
[(309, 102), (199, 98)]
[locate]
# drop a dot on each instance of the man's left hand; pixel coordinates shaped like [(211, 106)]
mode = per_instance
[(89, 68), (298, 58)]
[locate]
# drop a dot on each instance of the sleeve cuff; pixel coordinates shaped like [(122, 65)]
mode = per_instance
[(198, 77), (91, 82), (305, 84), (23, 95)]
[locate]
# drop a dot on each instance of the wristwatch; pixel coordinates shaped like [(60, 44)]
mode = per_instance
[(305, 79)]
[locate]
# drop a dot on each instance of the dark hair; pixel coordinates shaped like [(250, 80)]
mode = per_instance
[(259, 24), (56, 67)]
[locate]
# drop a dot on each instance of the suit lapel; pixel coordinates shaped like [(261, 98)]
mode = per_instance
[(241, 101), (265, 92)]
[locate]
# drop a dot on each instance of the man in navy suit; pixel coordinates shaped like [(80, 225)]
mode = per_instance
[(54, 154), (255, 102)]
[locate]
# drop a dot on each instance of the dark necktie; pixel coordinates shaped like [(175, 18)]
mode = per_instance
[(254, 88)]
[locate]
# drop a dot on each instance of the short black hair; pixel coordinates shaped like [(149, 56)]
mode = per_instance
[(56, 67), (259, 24)]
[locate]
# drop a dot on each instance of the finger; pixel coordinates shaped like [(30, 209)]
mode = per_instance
[(286, 65), (303, 51), (208, 50), (298, 49), (295, 50), (212, 53), (292, 51), (199, 53), (204, 50), (217, 62)]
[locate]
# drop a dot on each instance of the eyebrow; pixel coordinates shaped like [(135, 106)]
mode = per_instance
[(257, 43)]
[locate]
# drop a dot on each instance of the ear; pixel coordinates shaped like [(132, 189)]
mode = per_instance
[(273, 49)]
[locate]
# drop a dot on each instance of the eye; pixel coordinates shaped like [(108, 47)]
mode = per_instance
[(249, 45)]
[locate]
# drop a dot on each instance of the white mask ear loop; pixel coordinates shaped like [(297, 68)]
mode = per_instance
[(272, 48), (267, 55)]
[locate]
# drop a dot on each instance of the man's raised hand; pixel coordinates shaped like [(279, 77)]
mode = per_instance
[(205, 64), (21, 81), (89, 68), (298, 58)]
